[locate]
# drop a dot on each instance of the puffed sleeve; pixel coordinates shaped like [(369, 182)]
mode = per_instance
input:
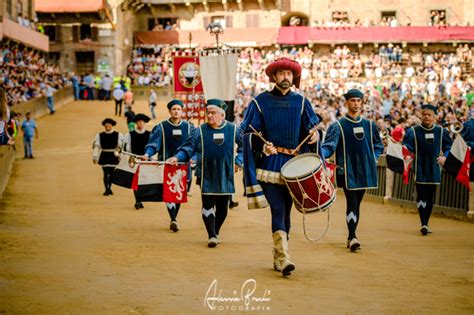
[(155, 141), (447, 142), (128, 142), (409, 140), (377, 141), (238, 140), (331, 140), (96, 148), (468, 135), (121, 140), (308, 117), (253, 117), (190, 146)]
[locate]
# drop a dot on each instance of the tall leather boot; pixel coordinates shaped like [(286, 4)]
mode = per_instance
[(276, 261), (280, 241)]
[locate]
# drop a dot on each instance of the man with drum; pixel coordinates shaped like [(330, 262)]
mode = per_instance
[(103, 151), (136, 141), (214, 145), (165, 139), (283, 118), (357, 144), (431, 144)]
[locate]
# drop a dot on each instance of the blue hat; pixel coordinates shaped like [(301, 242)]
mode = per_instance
[(175, 102), (217, 102), (430, 107), (353, 93)]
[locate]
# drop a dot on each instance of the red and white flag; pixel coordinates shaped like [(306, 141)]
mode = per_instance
[(161, 182), (124, 172), (148, 182), (458, 161), (399, 159), (175, 183)]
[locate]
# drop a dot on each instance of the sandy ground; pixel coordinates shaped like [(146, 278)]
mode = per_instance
[(66, 249)]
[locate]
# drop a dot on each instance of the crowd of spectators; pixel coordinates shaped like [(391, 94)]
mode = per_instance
[(340, 19), (395, 80), (395, 87), (151, 66), (25, 74)]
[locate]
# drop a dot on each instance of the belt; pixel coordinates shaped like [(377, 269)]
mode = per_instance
[(286, 151), (108, 150)]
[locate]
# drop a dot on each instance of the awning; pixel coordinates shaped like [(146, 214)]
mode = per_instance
[(231, 36), (415, 34), (55, 6), (14, 31)]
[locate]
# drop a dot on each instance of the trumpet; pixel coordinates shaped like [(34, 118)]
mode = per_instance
[(384, 134), (134, 159), (456, 127)]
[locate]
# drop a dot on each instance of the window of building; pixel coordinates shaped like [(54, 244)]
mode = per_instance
[(52, 32), (19, 8), (340, 16), (387, 14), (389, 18), (219, 19), (295, 19), (9, 8), (30, 10), (252, 20), (161, 24), (438, 17), (85, 32)]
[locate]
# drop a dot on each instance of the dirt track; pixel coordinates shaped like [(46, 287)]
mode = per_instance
[(65, 248)]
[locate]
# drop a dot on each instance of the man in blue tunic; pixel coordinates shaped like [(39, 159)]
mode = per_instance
[(431, 144), (213, 143), (357, 144), (284, 118), (165, 139)]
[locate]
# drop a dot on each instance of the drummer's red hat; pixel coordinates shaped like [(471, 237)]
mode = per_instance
[(285, 64)]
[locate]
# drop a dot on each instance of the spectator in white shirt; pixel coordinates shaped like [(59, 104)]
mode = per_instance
[(118, 97)]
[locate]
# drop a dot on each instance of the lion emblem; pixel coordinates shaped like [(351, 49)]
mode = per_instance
[(175, 183)]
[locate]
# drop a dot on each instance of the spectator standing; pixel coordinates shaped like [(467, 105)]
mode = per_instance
[(106, 86), (49, 96), (128, 98), (75, 86), (118, 97), (29, 129), (152, 103)]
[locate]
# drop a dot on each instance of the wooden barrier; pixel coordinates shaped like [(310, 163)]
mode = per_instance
[(141, 93), (7, 156), (39, 106)]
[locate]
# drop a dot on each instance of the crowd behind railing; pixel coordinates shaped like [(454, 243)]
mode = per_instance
[(395, 80)]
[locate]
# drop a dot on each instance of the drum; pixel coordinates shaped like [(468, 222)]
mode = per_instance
[(309, 183)]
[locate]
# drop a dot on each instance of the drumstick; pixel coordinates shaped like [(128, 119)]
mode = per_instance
[(301, 143), (259, 134)]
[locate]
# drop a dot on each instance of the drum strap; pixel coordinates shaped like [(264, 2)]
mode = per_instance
[(306, 233)]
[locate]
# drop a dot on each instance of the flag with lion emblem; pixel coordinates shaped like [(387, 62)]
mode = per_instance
[(158, 182), (175, 180)]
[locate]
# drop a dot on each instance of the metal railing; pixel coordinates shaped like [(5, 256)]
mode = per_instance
[(449, 194)]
